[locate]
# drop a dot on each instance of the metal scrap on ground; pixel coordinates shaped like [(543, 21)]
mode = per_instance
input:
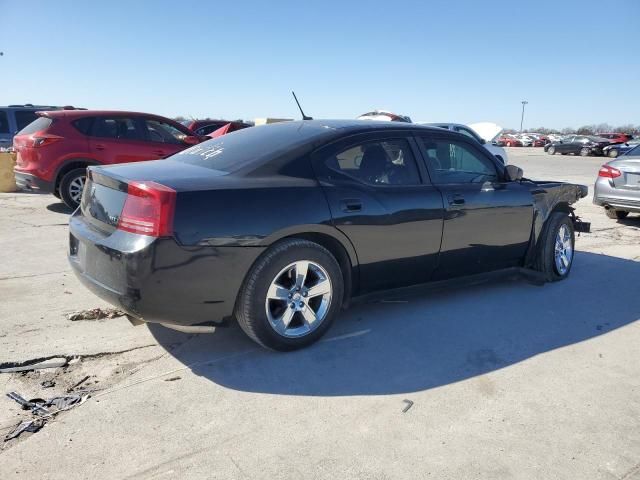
[(95, 314)]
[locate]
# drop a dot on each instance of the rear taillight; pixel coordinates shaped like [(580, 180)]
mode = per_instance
[(148, 209), (43, 140), (609, 172)]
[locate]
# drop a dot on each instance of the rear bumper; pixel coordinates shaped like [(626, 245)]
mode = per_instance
[(27, 181), (605, 195), (156, 279)]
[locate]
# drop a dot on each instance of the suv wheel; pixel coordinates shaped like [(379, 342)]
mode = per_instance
[(556, 247), (291, 295), (71, 187), (616, 214)]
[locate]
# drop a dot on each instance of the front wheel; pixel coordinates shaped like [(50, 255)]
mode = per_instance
[(291, 295), (551, 150), (556, 247), (613, 153), (71, 187), (616, 214)]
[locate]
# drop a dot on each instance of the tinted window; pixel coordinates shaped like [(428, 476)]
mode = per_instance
[(207, 129), (163, 132), (24, 118), (116, 127), (39, 124), (388, 162), (4, 122), (83, 125), (451, 161)]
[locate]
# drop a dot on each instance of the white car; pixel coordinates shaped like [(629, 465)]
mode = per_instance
[(384, 116)]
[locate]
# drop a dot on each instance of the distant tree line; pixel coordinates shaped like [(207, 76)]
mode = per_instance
[(584, 130)]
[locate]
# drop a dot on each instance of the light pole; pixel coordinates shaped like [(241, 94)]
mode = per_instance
[(524, 102)]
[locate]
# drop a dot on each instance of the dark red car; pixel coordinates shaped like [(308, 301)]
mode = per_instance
[(205, 127), (53, 151), (616, 137), (509, 141)]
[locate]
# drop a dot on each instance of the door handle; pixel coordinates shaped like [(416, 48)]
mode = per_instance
[(456, 200), (99, 146), (351, 205)]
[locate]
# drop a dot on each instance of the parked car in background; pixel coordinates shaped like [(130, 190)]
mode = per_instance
[(205, 127), (579, 145), (370, 206), (14, 118), (228, 128), (617, 149), (616, 137), (384, 116), (617, 187), (484, 133), (509, 141), (54, 151), (526, 140)]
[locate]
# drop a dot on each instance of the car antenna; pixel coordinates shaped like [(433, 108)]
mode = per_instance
[(304, 117)]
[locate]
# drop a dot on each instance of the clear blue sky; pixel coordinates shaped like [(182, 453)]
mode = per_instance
[(576, 61)]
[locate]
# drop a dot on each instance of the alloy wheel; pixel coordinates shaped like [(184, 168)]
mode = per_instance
[(75, 188), (298, 299), (563, 254)]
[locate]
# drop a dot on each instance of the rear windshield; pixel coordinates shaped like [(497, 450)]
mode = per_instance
[(41, 123), (251, 147)]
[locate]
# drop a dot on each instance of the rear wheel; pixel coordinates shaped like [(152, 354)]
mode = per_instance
[(551, 150), (612, 153), (585, 151), (291, 295), (556, 247), (616, 214), (71, 187)]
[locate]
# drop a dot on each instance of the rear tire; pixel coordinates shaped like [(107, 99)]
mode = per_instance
[(71, 187), (556, 247), (616, 214), (277, 311)]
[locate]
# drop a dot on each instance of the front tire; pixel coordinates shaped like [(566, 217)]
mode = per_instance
[(616, 214), (613, 153), (291, 295), (551, 150), (556, 247), (71, 187), (584, 152)]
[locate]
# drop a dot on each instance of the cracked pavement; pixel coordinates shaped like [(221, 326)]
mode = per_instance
[(506, 380)]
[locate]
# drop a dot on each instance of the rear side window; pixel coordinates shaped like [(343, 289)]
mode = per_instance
[(451, 161), (39, 124), (83, 125), (4, 122), (24, 118), (388, 162), (120, 128)]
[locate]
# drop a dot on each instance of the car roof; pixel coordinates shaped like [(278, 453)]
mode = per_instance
[(93, 113), (353, 126)]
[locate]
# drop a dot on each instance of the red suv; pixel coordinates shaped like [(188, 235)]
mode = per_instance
[(55, 149)]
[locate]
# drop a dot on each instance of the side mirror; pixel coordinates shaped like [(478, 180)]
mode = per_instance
[(191, 140), (513, 173)]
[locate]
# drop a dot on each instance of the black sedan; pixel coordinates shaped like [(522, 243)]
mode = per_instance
[(578, 145), (281, 226)]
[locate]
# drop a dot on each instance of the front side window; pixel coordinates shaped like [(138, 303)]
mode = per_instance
[(451, 161), (4, 122), (388, 162), (120, 128), (163, 132)]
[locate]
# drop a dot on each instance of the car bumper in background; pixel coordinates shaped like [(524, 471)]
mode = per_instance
[(605, 195), (27, 181), (156, 279)]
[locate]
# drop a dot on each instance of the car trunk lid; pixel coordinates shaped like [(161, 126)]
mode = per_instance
[(630, 169)]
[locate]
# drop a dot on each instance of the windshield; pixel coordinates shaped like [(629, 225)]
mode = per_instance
[(635, 151)]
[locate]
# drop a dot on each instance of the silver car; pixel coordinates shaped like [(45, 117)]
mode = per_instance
[(617, 188)]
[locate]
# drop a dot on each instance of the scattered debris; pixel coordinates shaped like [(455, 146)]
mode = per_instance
[(172, 379), (77, 384), (408, 405), (39, 364), (31, 426), (96, 314), (48, 384)]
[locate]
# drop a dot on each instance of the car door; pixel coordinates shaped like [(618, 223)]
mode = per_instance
[(563, 145), (164, 138), (120, 139), (381, 199), (488, 221)]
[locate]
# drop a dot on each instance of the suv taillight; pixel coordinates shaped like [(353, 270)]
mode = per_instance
[(609, 172), (43, 140), (148, 209)]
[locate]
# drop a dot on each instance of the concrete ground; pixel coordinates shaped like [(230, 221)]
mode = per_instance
[(503, 380)]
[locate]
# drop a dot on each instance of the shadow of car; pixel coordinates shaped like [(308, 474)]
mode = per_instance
[(427, 342)]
